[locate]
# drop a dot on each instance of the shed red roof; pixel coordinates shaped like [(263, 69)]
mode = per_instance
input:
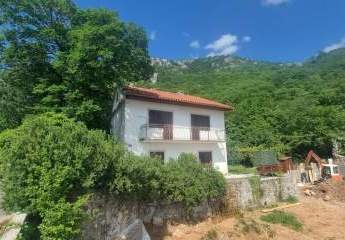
[(155, 95)]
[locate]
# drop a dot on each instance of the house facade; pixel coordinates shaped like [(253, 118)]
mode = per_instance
[(165, 124)]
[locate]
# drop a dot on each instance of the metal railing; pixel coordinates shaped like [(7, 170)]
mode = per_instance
[(180, 133)]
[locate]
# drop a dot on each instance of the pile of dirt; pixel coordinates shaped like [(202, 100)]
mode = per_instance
[(327, 190)]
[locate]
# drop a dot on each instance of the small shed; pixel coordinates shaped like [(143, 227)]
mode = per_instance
[(266, 162), (286, 163)]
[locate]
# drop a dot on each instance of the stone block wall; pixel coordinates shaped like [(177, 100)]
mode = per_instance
[(110, 216), (254, 191)]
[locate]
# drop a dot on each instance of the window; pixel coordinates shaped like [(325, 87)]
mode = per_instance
[(160, 117), (199, 124), (162, 120), (159, 155), (205, 158)]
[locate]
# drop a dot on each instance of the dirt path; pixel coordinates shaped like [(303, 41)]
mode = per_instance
[(323, 220)]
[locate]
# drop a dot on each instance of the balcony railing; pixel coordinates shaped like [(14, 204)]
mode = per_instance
[(159, 132)]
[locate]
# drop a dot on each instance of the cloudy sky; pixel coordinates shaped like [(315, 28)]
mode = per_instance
[(273, 30)]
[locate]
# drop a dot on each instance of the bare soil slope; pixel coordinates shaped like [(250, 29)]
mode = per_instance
[(323, 220)]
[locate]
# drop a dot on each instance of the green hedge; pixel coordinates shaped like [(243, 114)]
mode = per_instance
[(51, 164)]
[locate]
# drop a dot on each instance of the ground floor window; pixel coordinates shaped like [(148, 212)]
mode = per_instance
[(205, 158), (156, 154)]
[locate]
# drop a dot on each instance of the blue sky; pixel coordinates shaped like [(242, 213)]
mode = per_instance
[(272, 30)]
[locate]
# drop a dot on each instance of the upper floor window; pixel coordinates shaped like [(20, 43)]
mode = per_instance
[(162, 120), (199, 123)]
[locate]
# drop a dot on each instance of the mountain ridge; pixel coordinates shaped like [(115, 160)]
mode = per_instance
[(226, 62)]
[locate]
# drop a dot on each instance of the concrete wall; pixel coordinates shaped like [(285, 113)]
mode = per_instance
[(253, 191), (136, 115)]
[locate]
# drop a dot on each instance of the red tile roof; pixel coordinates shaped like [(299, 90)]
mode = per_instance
[(155, 95)]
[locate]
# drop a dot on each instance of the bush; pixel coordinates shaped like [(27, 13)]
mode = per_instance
[(50, 164), (187, 181), (137, 178), (183, 180), (283, 218)]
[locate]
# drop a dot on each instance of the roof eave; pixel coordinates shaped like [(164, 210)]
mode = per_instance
[(148, 99)]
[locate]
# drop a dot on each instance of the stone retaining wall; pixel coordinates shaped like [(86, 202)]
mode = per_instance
[(254, 191), (110, 217)]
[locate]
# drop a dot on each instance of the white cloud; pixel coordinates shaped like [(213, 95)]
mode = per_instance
[(334, 46), (194, 44), (274, 2), (153, 35), (225, 45), (246, 39)]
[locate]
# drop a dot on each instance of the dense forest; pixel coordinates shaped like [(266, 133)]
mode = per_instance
[(287, 108)]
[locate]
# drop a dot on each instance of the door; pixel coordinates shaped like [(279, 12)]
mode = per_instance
[(164, 120), (199, 123)]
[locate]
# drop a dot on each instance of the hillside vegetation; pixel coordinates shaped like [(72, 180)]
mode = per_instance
[(289, 108)]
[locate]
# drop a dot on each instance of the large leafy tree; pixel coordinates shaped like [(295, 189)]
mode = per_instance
[(69, 60)]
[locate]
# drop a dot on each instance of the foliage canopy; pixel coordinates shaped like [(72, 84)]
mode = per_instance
[(65, 59)]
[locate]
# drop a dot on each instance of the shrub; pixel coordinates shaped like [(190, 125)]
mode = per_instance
[(187, 181), (183, 180), (50, 164), (137, 178), (283, 218)]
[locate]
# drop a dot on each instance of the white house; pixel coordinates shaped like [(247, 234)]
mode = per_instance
[(166, 124)]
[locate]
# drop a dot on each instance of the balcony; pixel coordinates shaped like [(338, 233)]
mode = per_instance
[(164, 133)]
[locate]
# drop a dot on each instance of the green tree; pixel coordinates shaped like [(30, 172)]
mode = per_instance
[(12, 105), (70, 60)]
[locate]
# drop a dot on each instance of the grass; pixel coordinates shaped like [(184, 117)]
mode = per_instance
[(283, 218), (249, 225), (239, 169), (291, 199), (210, 235)]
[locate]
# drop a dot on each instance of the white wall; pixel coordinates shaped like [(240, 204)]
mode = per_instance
[(136, 115)]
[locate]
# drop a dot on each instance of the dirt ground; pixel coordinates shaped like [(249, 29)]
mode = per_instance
[(321, 219)]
